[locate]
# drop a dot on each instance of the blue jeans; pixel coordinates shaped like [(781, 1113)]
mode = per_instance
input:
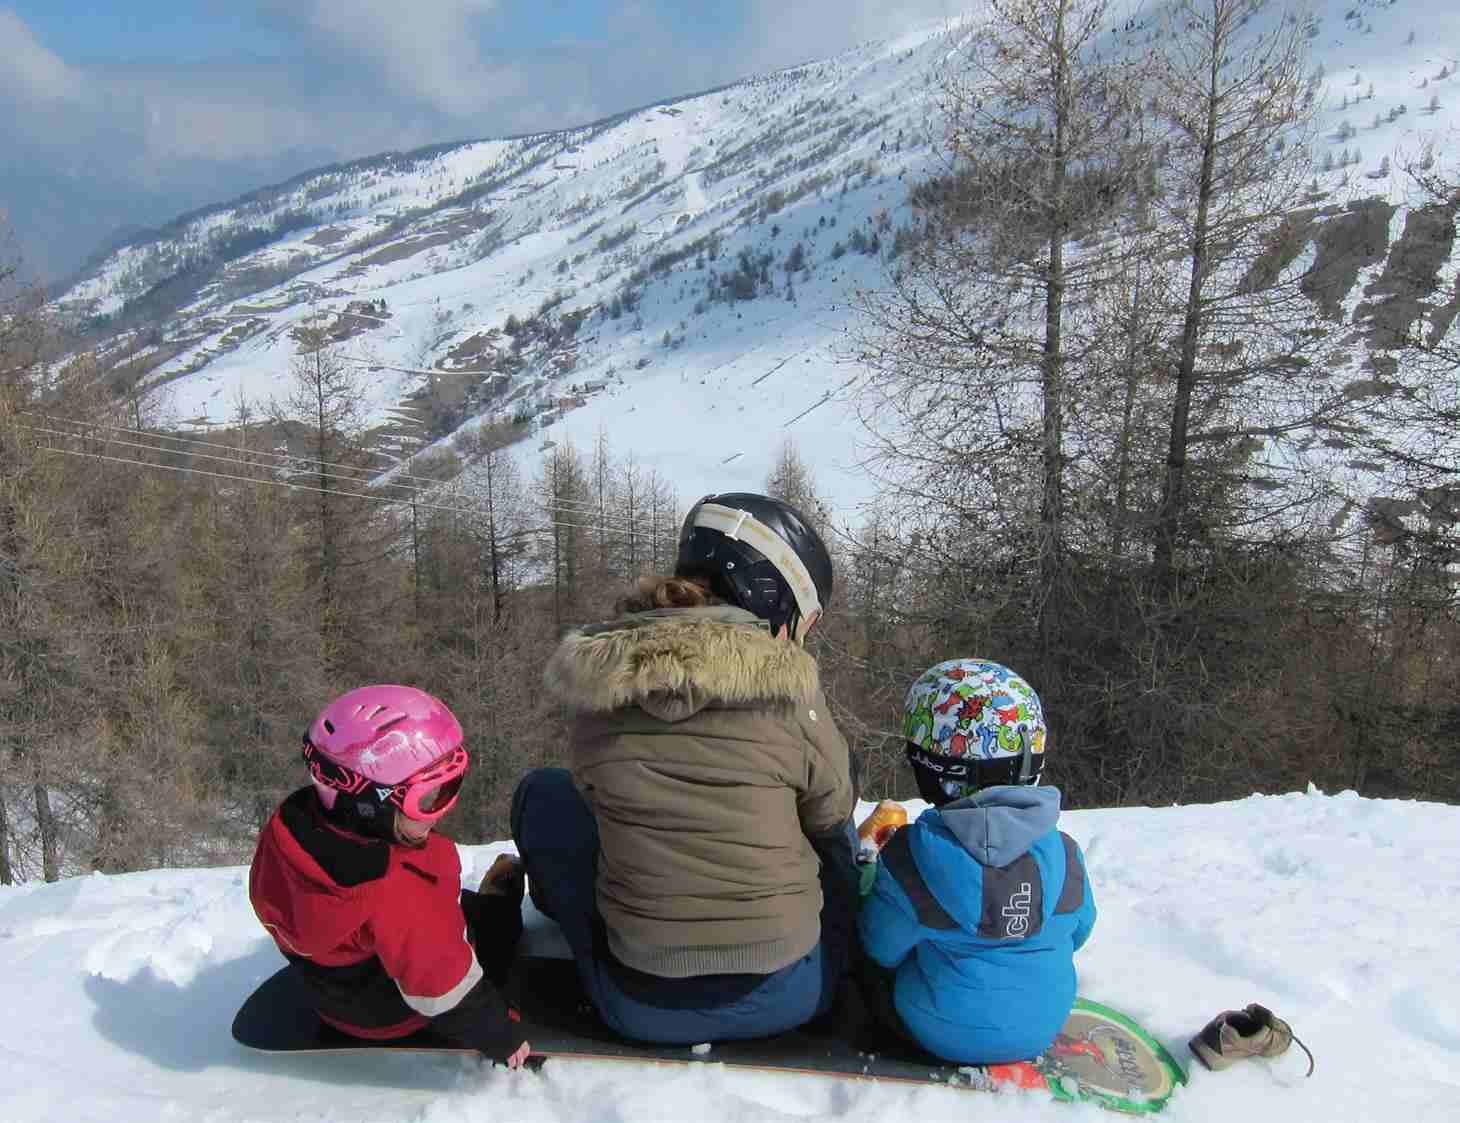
[(557, 838)]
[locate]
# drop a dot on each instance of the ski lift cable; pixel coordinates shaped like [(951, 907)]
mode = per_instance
[(89, 425), (286, 484), (578, 509), (289, 458), (589, 506), (605, 524), (302, 465), (291, 486), (237, 462)]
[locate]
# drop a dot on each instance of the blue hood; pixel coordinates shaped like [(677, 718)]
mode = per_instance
[(1000, 824)]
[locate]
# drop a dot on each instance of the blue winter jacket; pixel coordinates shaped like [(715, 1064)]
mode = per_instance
[(979, 906)]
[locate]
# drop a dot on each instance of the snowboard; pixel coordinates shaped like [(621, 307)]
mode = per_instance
[(1100, 1056)]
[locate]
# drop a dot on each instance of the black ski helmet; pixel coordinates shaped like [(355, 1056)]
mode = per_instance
[(758, 553)]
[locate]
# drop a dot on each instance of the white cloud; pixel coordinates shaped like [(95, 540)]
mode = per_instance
[(780, 33), (360, 77), (244, 113), (30, 72), (367, 75), (431, 49)]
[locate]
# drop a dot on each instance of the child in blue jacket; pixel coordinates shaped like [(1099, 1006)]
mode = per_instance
[(978, 907)]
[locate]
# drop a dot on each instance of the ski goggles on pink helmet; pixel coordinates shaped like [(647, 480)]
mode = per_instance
[(424, 796)]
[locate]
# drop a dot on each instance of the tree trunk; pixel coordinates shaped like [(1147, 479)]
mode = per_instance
[(7, 873), (328, 560), (1122, 449), (45, 823), (557, 574), (415, 557), (1173, 495), (111, 828), (871, 622), (494, 561), (1051, 515)]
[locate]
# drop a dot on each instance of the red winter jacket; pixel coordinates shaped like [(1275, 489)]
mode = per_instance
[(380, 931)]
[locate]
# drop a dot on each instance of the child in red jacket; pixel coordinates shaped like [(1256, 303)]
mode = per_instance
[(364, 899)]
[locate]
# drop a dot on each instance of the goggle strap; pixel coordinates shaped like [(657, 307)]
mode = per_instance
[(333, 774), (977, 770), (742, 526)]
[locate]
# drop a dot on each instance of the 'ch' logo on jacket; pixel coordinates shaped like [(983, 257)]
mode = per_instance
[(1016, 912), (1013, 900)]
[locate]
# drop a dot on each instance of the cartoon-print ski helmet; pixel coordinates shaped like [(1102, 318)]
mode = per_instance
[(970, 724)]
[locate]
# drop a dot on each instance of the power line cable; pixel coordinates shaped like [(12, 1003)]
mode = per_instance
[(289, 457), (292, 486), (576, 509), (234, 461)]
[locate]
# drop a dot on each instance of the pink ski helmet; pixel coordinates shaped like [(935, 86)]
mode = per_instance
[(387, 744)]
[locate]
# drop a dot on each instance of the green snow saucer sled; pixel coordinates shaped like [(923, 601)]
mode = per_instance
[(1101, 1056)]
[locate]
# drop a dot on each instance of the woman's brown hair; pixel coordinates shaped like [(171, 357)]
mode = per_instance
[(654, 592)]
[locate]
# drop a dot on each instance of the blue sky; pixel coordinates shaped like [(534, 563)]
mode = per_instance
[(128, 112), (139, 30), (202, 30)]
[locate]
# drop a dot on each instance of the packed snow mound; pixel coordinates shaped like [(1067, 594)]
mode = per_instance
[(1338, 912)]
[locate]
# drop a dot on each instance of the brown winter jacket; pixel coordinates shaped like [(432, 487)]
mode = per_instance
[(706, 749)]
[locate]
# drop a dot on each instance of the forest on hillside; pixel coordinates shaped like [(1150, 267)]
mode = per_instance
[(1114, 435)]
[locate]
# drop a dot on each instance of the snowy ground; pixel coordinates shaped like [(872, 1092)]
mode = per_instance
[(1338, 912)]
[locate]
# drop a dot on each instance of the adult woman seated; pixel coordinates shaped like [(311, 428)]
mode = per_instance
[(699, 856)]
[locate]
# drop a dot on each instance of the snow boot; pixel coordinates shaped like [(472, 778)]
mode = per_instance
[(1234, 1035)]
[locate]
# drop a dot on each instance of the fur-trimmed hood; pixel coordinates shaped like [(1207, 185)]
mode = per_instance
[(674, 662)]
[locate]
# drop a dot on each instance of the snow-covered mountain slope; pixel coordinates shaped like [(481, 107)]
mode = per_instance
[(681, 276), (1337, 912)]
